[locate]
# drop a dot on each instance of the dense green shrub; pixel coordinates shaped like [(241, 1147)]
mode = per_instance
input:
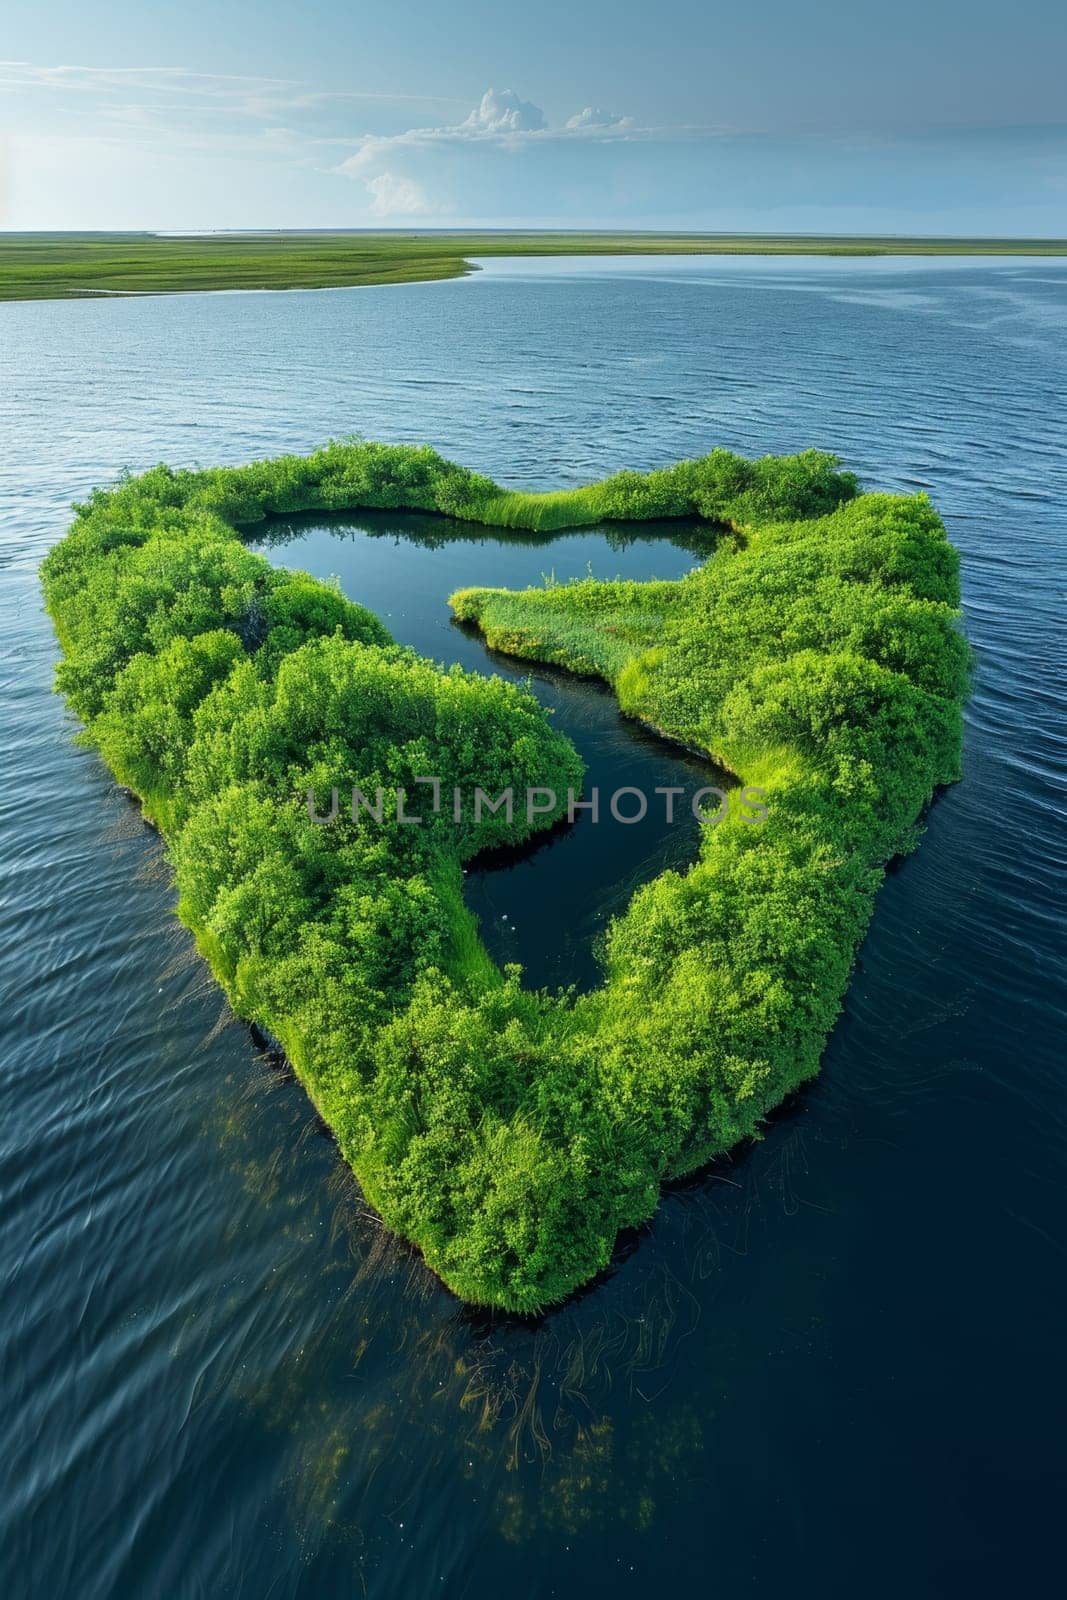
[(511, 1134)]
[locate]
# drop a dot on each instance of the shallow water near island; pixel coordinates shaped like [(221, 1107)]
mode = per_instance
[(830, 1363)]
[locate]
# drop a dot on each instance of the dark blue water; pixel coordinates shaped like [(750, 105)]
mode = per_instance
[(831, 1366)]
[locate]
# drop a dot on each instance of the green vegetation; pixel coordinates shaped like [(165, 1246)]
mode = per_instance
[(511, 1134), (50, 266)]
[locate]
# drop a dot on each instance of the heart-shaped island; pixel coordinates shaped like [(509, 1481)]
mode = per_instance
[(510, 1134)]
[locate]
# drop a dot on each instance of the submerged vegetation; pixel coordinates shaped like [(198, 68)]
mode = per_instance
[(511, 1134), (50, 266)]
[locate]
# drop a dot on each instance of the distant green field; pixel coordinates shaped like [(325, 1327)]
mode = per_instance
[(59, 266)]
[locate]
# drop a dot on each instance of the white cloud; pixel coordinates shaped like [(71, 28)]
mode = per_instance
[(499, 118), (393, 196), (503, 113), (594, 120)]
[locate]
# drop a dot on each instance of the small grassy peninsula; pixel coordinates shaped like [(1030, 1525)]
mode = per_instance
[(511, 1134)]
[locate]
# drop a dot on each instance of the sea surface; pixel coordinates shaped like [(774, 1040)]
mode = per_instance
[(832, 1365)]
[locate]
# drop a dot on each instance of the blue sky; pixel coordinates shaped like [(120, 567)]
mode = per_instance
[(929, 116)]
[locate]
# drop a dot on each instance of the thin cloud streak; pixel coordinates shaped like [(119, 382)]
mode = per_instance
[(292, 92)]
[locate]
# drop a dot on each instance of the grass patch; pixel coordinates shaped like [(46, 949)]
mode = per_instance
[(511, 1134)]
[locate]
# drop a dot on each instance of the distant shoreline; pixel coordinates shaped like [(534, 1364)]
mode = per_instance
[(62, 266)]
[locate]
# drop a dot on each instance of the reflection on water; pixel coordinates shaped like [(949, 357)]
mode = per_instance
[(218, 1376)]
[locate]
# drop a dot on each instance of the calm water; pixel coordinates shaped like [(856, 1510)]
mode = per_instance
[(831, 1366)]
